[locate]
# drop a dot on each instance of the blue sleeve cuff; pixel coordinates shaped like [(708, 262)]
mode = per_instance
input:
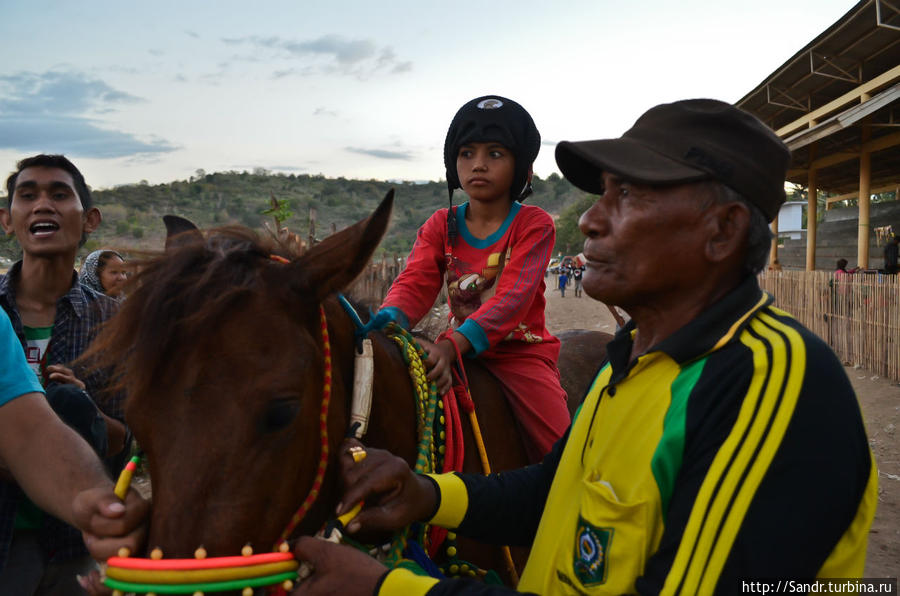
[(397, 315), (473, 332)]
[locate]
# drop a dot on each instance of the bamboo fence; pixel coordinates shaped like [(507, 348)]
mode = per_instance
[(371, 287), (373, 283), (857, 315)]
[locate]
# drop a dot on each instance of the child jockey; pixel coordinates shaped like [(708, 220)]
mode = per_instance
[(492, 253)]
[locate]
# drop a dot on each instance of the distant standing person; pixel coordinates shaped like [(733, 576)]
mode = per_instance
[(890, 255), (576, 275), (841, 269), (104, 271), (563, 282)]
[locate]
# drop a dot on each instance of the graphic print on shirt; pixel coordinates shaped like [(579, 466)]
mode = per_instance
[(469, 290), (37, 340)]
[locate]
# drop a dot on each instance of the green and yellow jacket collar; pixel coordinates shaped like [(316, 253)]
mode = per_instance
[(715, 327)]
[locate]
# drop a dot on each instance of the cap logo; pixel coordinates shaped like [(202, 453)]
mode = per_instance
[(723, 170), (492, 103)]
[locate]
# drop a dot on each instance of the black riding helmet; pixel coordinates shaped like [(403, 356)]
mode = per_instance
[(498, 119)]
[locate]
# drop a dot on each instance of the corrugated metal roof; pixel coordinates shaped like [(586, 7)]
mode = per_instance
[(861, 46)]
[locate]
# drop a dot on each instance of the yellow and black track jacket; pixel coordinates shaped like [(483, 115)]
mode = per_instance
[(733, 450)]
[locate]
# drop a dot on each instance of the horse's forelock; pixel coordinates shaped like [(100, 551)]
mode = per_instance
[(176, 296)]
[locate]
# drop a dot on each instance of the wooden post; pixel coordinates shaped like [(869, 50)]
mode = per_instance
[(865, 178), (773, 253), (811, 205)]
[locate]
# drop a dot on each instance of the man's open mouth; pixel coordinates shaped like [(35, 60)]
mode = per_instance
[(43, 228)]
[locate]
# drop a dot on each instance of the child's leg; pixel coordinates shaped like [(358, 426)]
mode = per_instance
[(537, 399)]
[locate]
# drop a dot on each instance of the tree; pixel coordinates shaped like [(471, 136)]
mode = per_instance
[(279, 211), (569, 238), (241, 197)]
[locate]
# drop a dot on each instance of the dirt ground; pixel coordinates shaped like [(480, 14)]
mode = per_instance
[(880, 402)]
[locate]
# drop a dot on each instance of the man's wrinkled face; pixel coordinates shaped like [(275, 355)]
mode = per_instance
[(46, 214), (640, 240)]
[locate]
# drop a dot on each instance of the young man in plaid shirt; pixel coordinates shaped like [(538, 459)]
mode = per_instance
[(55, 318)]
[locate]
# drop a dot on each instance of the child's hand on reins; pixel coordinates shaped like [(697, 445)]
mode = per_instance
[(441, 356)]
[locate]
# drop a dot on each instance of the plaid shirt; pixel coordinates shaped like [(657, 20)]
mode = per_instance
[(78, 313)]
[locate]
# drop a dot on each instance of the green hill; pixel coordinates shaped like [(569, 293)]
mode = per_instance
[(132, 214)]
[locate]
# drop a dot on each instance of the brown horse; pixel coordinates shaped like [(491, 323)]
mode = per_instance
[(220, 351)]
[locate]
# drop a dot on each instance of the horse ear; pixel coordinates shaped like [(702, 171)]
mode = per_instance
[(180, 231), (331, 265)]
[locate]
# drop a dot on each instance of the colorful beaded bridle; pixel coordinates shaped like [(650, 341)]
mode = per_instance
[(201, 574), (278, 570)]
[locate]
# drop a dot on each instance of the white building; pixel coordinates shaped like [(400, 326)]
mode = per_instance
[(790, 219)]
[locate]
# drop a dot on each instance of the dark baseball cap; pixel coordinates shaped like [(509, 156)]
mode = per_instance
[(687, 141)]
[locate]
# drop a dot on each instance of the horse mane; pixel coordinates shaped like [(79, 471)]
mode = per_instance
[(174, 296)]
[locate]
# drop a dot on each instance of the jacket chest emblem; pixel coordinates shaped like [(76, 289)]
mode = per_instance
[(592, 545)]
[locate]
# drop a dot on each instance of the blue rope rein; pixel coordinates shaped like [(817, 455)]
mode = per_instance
[(377, 322), (407, 550), (417, 560)]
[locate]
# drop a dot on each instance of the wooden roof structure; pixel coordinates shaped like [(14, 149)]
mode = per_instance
[(835, 104)]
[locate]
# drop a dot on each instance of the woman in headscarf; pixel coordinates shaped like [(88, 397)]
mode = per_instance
[(104, 271)]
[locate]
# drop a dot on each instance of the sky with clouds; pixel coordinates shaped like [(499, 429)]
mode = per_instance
[(156, 90)]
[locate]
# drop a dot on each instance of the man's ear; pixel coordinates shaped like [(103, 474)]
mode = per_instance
[(92, 219), (4, 221), (729, 223)]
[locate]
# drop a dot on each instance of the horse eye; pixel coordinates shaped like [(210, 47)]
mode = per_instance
[(279, 413)]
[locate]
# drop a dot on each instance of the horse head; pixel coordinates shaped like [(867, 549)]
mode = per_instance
[(220, 350)]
